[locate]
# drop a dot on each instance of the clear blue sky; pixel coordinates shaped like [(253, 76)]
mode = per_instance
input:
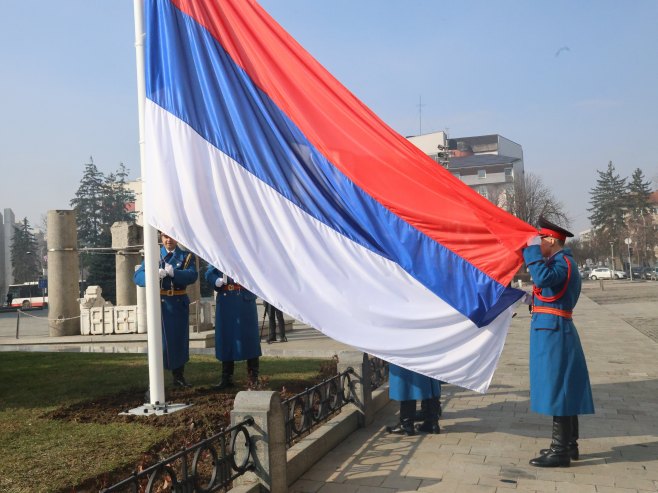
[(575, 83)]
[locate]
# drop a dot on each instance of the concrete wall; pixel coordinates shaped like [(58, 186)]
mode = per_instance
[(509, 148), (275, 467), (428, 143)]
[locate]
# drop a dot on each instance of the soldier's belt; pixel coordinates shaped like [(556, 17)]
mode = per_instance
[(553, 311), (231, 287), (172, 292)]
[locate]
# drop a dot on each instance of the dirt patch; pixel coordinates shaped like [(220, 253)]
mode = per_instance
[(209, 413)]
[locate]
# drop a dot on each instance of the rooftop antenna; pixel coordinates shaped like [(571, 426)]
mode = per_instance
[(420, 115)]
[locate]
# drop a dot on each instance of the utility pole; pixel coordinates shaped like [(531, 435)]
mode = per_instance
[(612, 254)]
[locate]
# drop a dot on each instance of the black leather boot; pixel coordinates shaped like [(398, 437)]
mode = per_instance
[(574, 453), (558, 454), (179, 378), (227, 376), (253, 366), (431, 422), (420, 415), (406, 424)]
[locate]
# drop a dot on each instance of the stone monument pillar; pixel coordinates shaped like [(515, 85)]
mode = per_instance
[(127, 239), (63, 272)]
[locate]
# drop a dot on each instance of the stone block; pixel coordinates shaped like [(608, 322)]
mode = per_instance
[(126, 319), (126, 234)]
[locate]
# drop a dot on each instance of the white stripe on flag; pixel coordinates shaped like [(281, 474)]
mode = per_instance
[(236, 222)]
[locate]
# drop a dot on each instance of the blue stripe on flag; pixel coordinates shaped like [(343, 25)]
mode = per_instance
[(189, 74)]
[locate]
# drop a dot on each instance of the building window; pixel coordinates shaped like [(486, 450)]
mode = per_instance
[(509, 174), (482, 190), (482, 174)]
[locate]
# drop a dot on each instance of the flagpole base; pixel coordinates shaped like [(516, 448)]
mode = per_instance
[(155, 409)]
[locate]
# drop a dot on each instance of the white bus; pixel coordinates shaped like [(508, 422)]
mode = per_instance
[(27, 295)]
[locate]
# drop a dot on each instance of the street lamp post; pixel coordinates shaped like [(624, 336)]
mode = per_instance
[(612, 254), (628, 242)]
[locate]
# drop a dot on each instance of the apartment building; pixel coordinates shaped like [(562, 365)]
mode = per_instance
[(490, 164)]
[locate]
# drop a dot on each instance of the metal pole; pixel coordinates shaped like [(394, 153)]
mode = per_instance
[(630, 266), (612, 254), (151, 249), (18, 321)]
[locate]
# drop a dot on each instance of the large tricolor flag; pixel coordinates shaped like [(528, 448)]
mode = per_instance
[(263, 164)]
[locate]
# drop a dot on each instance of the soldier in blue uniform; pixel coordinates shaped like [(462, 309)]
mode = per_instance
[(559, 380), (236, 328), (408, 387), (177, 270)]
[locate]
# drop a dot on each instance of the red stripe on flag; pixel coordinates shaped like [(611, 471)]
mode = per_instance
[(366, 150)]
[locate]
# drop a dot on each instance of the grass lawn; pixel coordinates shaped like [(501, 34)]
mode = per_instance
[(59, 414)]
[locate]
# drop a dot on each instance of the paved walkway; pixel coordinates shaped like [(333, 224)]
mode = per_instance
[(486, 440)]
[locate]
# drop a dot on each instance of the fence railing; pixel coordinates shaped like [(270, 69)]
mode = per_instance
[(315, 405), (378, 372), (208, 466)]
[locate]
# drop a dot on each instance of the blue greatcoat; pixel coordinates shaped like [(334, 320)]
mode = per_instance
[(175, 305), (236, 320), (559, 380), (407, 385)]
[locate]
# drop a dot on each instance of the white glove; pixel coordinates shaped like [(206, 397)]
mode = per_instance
[(169, 269), (219, 282), (526, 299), (162, 273), (535, 240)]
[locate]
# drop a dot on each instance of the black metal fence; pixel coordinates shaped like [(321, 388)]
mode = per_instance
[(209, 466), (378, 372), (315, 405)]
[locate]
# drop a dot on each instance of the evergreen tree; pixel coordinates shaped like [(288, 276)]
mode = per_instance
[(608, 200), (117, 196), (100, 202), (88, 205), (640, 219), (25, 254)]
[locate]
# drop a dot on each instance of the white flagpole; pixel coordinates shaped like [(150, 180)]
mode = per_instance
[(151, 249)]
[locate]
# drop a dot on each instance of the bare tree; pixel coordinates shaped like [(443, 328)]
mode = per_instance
[(532, 198)]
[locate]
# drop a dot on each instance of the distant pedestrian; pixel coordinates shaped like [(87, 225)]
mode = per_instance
[(236, 328), (559, 380), (10, 298), (275, 318), (177, 269)]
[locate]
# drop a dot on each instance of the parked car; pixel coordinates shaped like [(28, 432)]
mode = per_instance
[(637, 273), (606, 273), (585, 272), (651, 273)]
